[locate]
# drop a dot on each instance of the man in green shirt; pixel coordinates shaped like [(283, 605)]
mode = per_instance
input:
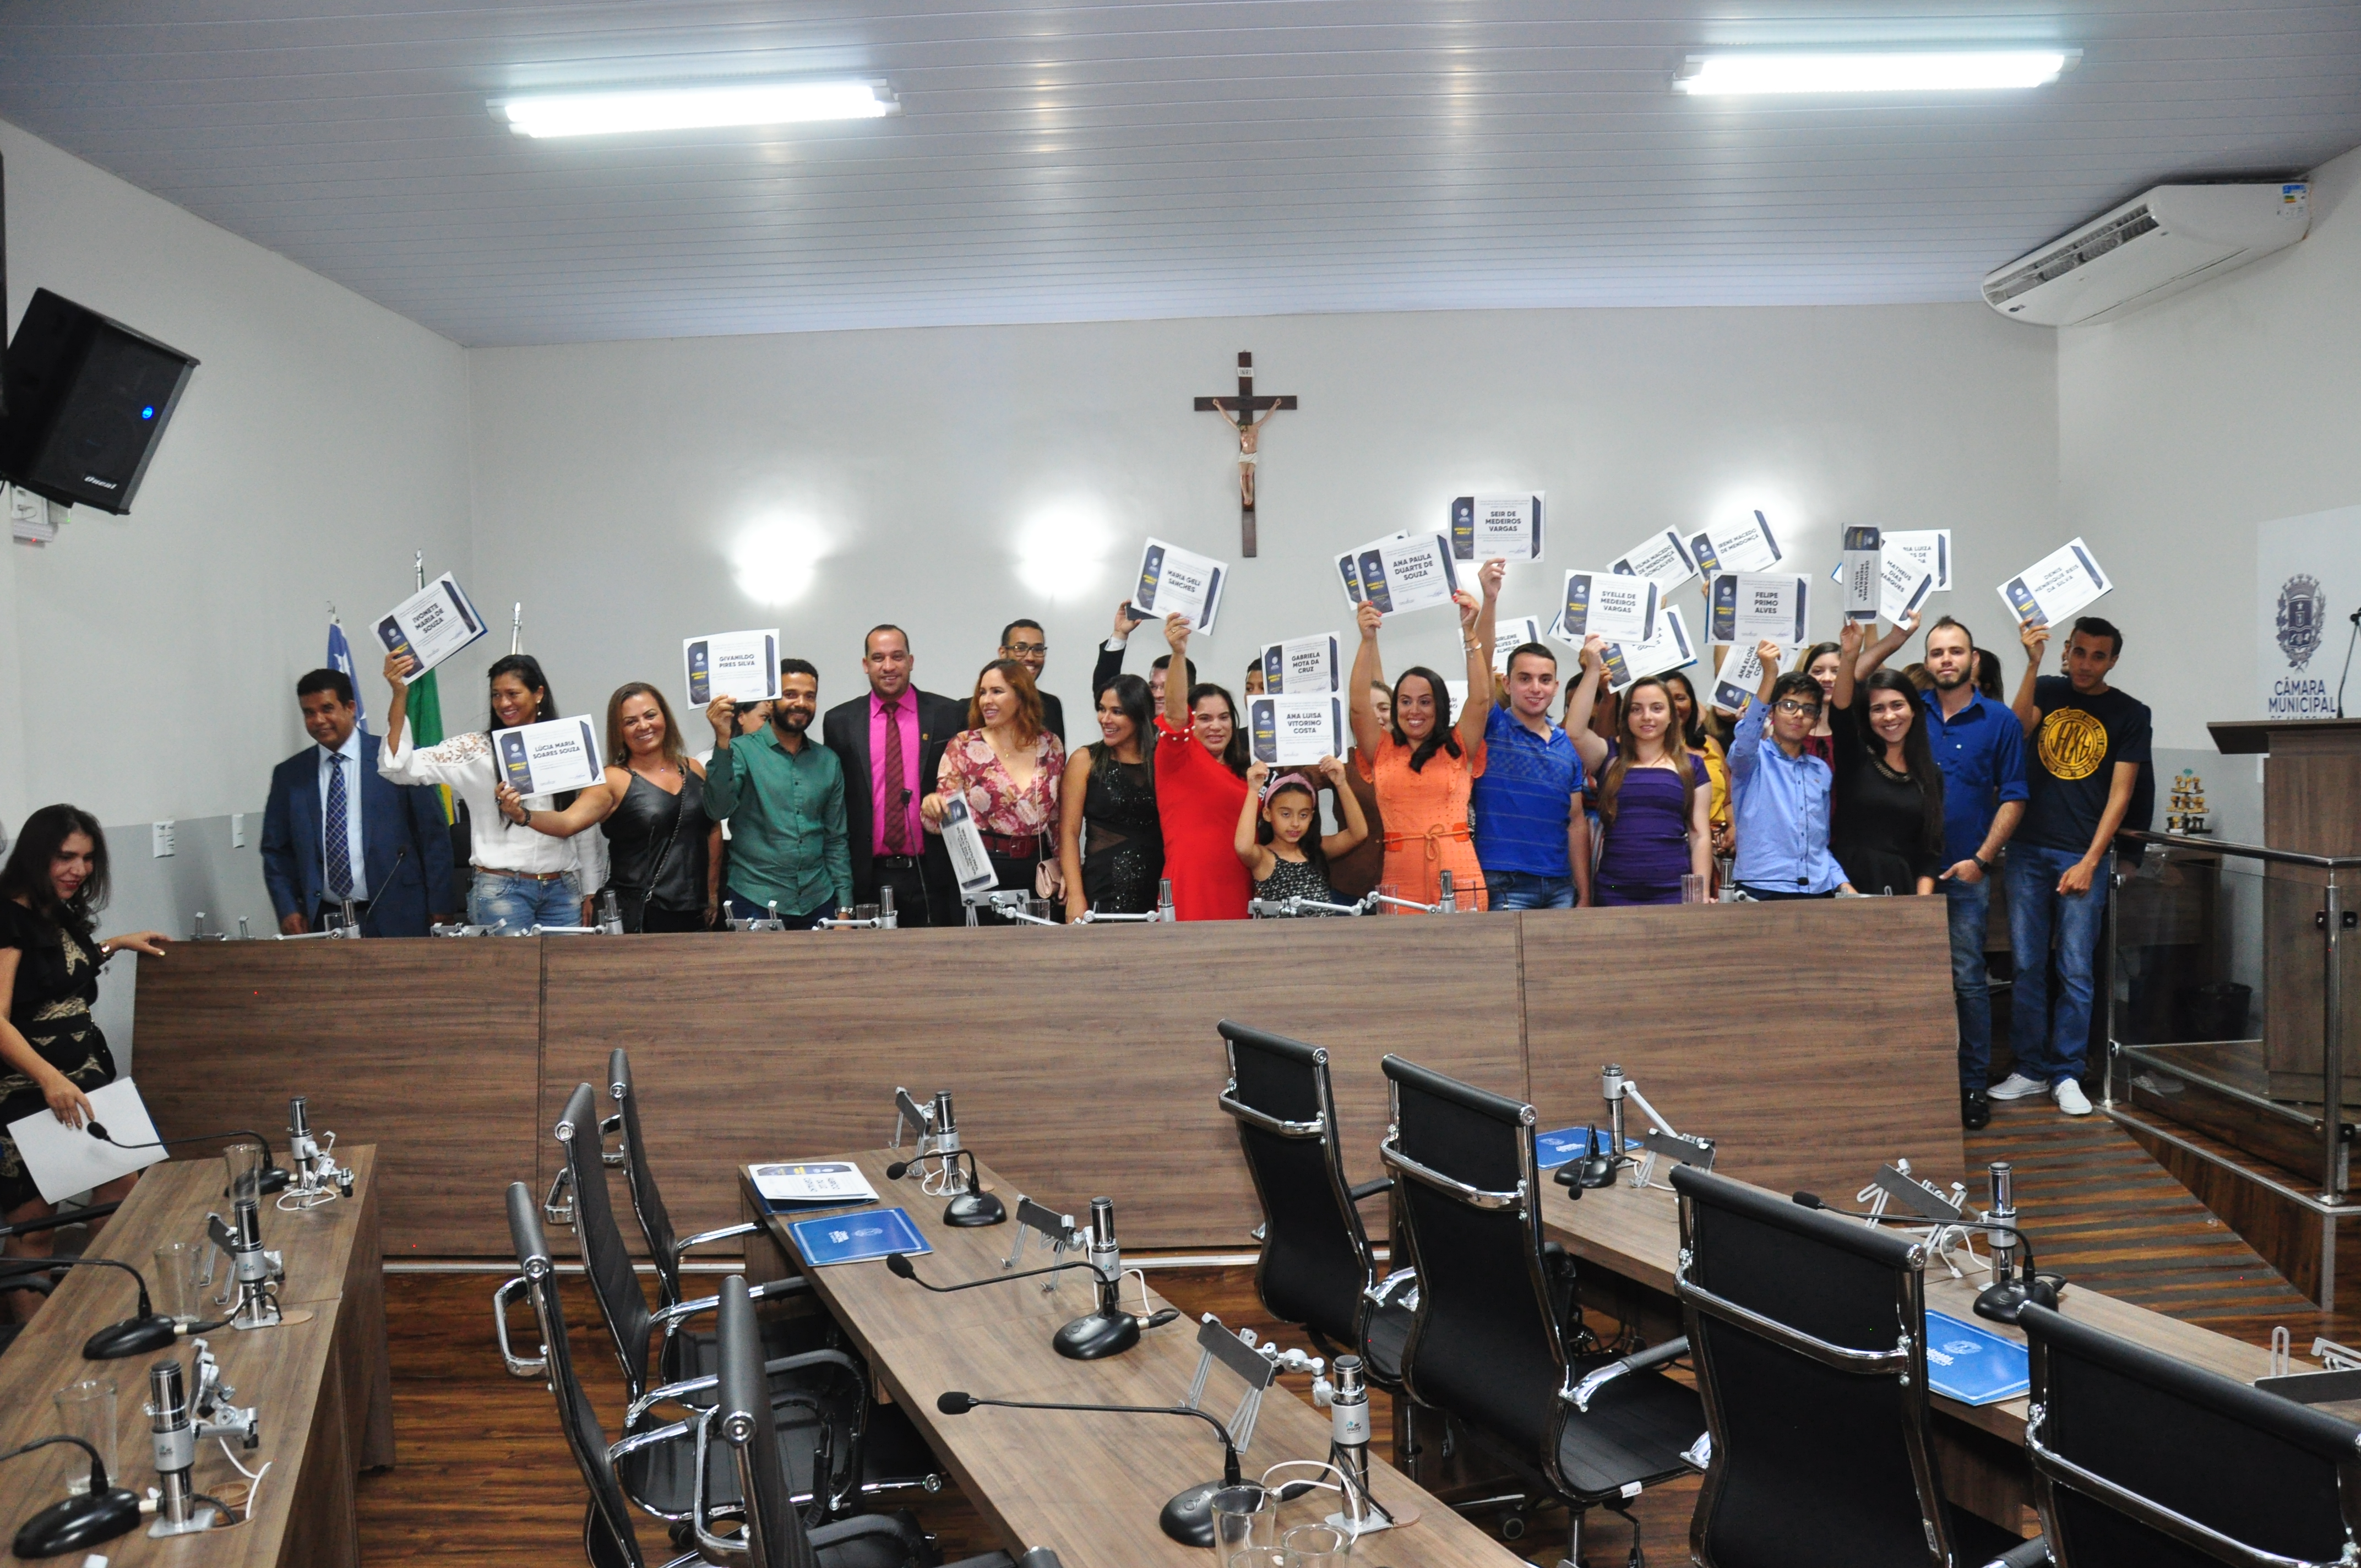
[(783, 799)]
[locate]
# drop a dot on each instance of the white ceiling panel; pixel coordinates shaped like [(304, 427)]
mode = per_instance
[(1072, 162)]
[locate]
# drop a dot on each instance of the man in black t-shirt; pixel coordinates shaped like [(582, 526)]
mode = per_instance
[(2087, 744)]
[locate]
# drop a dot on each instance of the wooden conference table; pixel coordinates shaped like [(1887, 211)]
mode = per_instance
[(321, 1387), (1087, 1487)]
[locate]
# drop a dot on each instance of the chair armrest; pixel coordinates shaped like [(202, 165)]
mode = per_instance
[(904, 1533), (1582, 1393), (1369, 1189), (2033, 1553), (556, 1212), (613, 1123), (724, 1234), (769, 1290), (518, 1365), (1382, 1292), (678, 1393)]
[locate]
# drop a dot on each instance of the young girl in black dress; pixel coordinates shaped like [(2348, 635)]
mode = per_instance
[(1278, 838)]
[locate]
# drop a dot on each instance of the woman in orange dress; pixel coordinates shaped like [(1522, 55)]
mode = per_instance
[(1423, 763)]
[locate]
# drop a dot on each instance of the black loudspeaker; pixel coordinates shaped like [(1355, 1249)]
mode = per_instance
[(87, 399)]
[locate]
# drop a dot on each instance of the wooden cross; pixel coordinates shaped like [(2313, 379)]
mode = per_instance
[(1242, 411)]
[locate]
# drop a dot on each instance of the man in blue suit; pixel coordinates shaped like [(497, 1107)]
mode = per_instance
[(335, 830)]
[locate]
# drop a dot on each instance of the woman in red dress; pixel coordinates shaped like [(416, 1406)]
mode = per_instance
[(1201, 786)]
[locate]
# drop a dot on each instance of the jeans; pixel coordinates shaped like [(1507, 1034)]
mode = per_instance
[(1970, 904), (2051, 1048), (737, 906), (1525, 890), (517, 903)]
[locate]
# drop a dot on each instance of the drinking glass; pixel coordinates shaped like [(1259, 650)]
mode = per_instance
[(245, 1163), (176, 1281), (1693, 888), (1038, 907), (1312, 1546), (86, 1410), (1389, 890), (864, 912), (1244, 1518)]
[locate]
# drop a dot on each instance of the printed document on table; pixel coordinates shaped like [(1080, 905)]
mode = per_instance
[(1303, 666), (1502, 528), (1296, 732), (2055, 587), (808, 1183), (1669, 649), (429, 626), (1613, 605), (1662, 558), (1173, 581), (1401, 573), (856, 1238), (1746, 544), (1756, 607), (542, 759), (65, 1160), (740, 665)]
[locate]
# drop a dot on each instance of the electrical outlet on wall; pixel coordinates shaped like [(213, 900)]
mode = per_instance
[(161, 834), (238, 829)]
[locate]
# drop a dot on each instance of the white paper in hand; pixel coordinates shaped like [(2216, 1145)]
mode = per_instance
[(970, 867), (2057, 586), (1496, 528), (429, 626), (1759, 606), (740, 665), (1304, 665), (1740, 674), (1661, 557), (1614, 605), (1296, 732), (542, 759), (1173, 581), (1929, 547), (1510, 633), (1741, 544), (65, 1160), (1401, 573), (1669, 649)]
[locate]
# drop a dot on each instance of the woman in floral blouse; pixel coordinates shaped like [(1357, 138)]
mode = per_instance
[(1007, 768)]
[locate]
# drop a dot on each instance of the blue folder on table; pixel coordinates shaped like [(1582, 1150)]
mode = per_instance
[(1569, 1143), (1972, 1365), (855, 1238)]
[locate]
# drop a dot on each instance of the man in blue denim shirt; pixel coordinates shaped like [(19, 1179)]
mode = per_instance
[(1980, 746)]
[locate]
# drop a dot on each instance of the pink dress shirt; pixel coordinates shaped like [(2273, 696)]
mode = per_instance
[(888, 795)]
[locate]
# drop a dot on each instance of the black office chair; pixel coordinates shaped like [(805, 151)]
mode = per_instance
[(1809, 1337), (1316, 1267), (1487, 1344), (824, 1393), (2141, 1460), (773, 1533), (894, 1456)]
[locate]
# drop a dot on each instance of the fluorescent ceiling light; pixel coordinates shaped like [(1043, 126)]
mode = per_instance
[(1915, 70), (694, 108)]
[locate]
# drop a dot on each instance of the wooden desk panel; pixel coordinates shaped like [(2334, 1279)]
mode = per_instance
[(1814, 1040), (430, 1049), (1084, 1062)]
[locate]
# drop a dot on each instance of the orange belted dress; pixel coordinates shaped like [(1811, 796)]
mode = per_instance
[(1427, 827)]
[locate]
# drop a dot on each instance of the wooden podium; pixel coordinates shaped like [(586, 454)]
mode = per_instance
[(2311, 805)]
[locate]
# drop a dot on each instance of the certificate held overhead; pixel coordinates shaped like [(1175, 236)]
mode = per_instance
[(1296, 732), (1496, 528), (1746, 544), (1403, 573), (1613, 605), (1303, 665), (1173, 581), (2061, 584), (1669, 649), (429, 626), (740, 665), (1760, 606), (1661, 557), (544, 759)]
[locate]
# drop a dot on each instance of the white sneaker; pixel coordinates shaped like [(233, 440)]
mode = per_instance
[(2071, 1099), (2017, 1086)]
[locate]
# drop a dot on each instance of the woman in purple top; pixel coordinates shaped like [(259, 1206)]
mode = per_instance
[(1653, 793)]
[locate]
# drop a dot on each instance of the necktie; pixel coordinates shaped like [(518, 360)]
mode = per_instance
[(898, 810), (336, 833)]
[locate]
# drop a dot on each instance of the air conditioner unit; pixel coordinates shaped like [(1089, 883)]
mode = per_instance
[(2152, 245)]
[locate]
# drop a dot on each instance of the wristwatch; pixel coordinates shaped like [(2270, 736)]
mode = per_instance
[(1982, 865)]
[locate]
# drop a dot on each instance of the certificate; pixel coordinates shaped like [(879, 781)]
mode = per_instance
[(1858, 574), (1661, 557), (1296, 732), (1405, 572), (1510, 633), (1740, 674), (1173, 581), (1930, 547), (1613, 605), (1755, 607), (740, 665), (1489, 527), (970, 867), (1303, 665), (1903, 585), (429, 626), (1669, 649), (2055, 587), (542, 759), (1746, 545)]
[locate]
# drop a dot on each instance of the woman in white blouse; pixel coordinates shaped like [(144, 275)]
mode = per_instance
[(522, 879)]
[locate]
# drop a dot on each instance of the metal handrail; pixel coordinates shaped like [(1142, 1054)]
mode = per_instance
[(2242, 851)]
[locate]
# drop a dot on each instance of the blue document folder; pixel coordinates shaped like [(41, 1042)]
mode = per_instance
[(855, 1238), (1972, 1365), (1571, 1143)]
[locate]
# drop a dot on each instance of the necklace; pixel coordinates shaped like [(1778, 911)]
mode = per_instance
[(1899, 775)]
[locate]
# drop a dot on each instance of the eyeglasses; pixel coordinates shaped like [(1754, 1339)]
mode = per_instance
[(1022, 649), (1797, 708)]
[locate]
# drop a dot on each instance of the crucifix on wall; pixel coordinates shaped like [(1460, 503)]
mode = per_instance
[(1247, 414)]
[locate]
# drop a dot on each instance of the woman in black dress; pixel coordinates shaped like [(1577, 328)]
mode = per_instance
[(1886, 817), (51, 1052), (1109, 838), (651, 806)]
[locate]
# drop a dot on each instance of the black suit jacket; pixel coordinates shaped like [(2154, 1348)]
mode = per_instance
[(844, 730), (403, 839), (1053, 718)]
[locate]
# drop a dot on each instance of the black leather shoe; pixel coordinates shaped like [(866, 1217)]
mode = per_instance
[(1975, 1109)]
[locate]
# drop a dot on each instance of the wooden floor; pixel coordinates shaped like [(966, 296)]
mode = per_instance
[(484, 1476)]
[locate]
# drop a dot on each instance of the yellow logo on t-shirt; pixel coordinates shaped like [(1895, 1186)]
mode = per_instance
[(2072, 743)]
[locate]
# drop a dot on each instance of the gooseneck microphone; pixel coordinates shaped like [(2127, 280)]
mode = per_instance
[(79, 1523), (2010, 1290), (970, 1207), (898, 1265), (1189, 1517), (1109, 1331), (151, 1330), (273, 1178)]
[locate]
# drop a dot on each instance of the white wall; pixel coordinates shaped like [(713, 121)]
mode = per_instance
[(2185, 425), (956, 477), (147, 664)]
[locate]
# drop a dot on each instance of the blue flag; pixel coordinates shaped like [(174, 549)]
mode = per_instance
[(340, 657)]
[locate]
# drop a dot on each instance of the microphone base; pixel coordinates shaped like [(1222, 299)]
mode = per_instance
[(139, 1336), (1096, 1335), (76, 1524), (2005, 1303), (971, 1210), (1189, 1517)]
